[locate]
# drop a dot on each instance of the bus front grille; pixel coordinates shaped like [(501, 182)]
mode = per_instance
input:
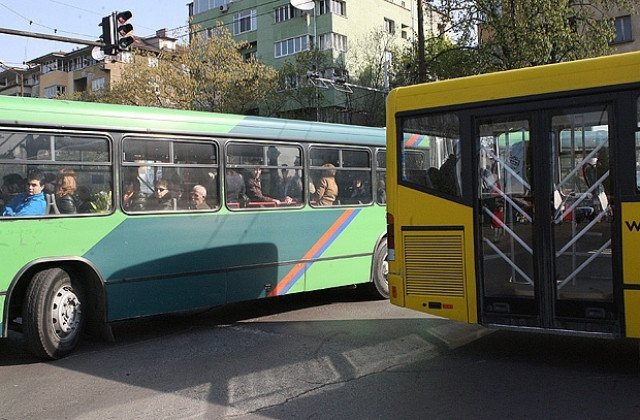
[(434, 263)]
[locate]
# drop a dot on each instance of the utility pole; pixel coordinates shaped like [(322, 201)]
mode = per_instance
[(422, 71)]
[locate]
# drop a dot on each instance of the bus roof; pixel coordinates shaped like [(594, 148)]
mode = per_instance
[(97, 116), (611, 70)]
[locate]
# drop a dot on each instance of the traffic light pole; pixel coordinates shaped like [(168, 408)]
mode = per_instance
[(50, 37)]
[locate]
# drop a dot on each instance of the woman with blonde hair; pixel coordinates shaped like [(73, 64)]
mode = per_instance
[(327, 188), (65, 191)]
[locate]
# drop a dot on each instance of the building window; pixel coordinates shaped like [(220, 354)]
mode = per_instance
[(623, 29), (52, 65), (200, 6), (52, 91), (287, 12), (389, 26), (333, 41), (404, 32), (337, 7), (246, 21), (291, 46), (97, 84)]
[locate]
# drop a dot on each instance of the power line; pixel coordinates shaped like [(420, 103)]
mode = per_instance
[(32, 22)]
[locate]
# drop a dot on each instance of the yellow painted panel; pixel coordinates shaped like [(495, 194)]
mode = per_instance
[(631, 243), (632, 313)]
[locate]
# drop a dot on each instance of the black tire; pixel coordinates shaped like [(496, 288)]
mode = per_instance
[(52, 315), (380, 271)]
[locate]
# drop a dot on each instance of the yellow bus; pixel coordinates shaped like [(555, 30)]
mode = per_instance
[(514, 198)]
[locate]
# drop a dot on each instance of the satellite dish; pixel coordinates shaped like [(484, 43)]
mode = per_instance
[(97, 54), (303, 4)]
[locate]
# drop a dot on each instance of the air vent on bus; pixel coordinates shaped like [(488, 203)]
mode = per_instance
[(434, 263)]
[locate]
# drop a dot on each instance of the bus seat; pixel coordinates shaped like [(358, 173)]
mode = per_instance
[(52, 207)]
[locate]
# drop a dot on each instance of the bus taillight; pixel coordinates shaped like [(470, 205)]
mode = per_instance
[(391, 243)]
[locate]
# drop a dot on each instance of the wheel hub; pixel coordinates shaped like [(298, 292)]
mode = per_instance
[(65, 311)]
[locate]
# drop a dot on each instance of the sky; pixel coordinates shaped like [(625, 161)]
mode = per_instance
[(79, 19)]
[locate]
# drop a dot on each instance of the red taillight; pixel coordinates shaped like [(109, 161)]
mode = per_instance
[(391, 243)]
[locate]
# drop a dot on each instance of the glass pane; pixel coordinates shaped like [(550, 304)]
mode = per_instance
[(163, 188), (81, 149), (245, 154), (381, 159), (381, 184), (582, 215), (429, 153), (137, 150), (355, 159), (195, 153), (320, 156), (354, 187), (506, 207)]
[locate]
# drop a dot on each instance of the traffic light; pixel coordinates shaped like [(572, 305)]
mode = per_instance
[(115, 32), (109, 35), (123, 39)]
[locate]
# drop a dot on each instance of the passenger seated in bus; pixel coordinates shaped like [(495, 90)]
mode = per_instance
[(433, 178), (211, 185), (198, 197), (84, 199), (29, 203), (164, 197), (235, 187), (290, 186), (132, 198), (65, 191), (357, 192), (327, 188), (381, 194), (448, 177), (12, 185), (254, 188)]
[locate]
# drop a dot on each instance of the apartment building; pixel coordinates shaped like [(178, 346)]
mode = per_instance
[(277, 30), (60, 73)]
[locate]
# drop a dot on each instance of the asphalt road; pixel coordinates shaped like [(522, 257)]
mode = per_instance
[(328, 355)]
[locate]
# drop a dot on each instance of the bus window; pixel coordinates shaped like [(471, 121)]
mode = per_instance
[(340, 176), (159, 174), (272, 176), (76, 168), (429, 154)]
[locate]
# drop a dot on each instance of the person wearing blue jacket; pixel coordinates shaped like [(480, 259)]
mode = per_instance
[(32, 202)]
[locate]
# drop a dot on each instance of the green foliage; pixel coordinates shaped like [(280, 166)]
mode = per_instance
[(101, 202), (479, 36), (296, 96), (207, 75)]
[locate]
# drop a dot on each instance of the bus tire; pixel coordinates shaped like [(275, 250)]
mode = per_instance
[(52, 314), (380, 271)]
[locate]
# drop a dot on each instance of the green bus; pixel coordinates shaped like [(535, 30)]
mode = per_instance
[(147, 211)]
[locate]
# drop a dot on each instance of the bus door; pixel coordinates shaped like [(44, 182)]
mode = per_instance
[(545, 221)]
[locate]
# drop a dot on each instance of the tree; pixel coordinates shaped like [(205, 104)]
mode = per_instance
[(207, 75), (369, 61), (479, 36), (297, 95)]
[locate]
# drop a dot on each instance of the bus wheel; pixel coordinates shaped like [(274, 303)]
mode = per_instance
[(52, 314), (381, 271)]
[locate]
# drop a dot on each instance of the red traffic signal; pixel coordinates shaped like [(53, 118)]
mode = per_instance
[(122, 17), (124, 40)]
